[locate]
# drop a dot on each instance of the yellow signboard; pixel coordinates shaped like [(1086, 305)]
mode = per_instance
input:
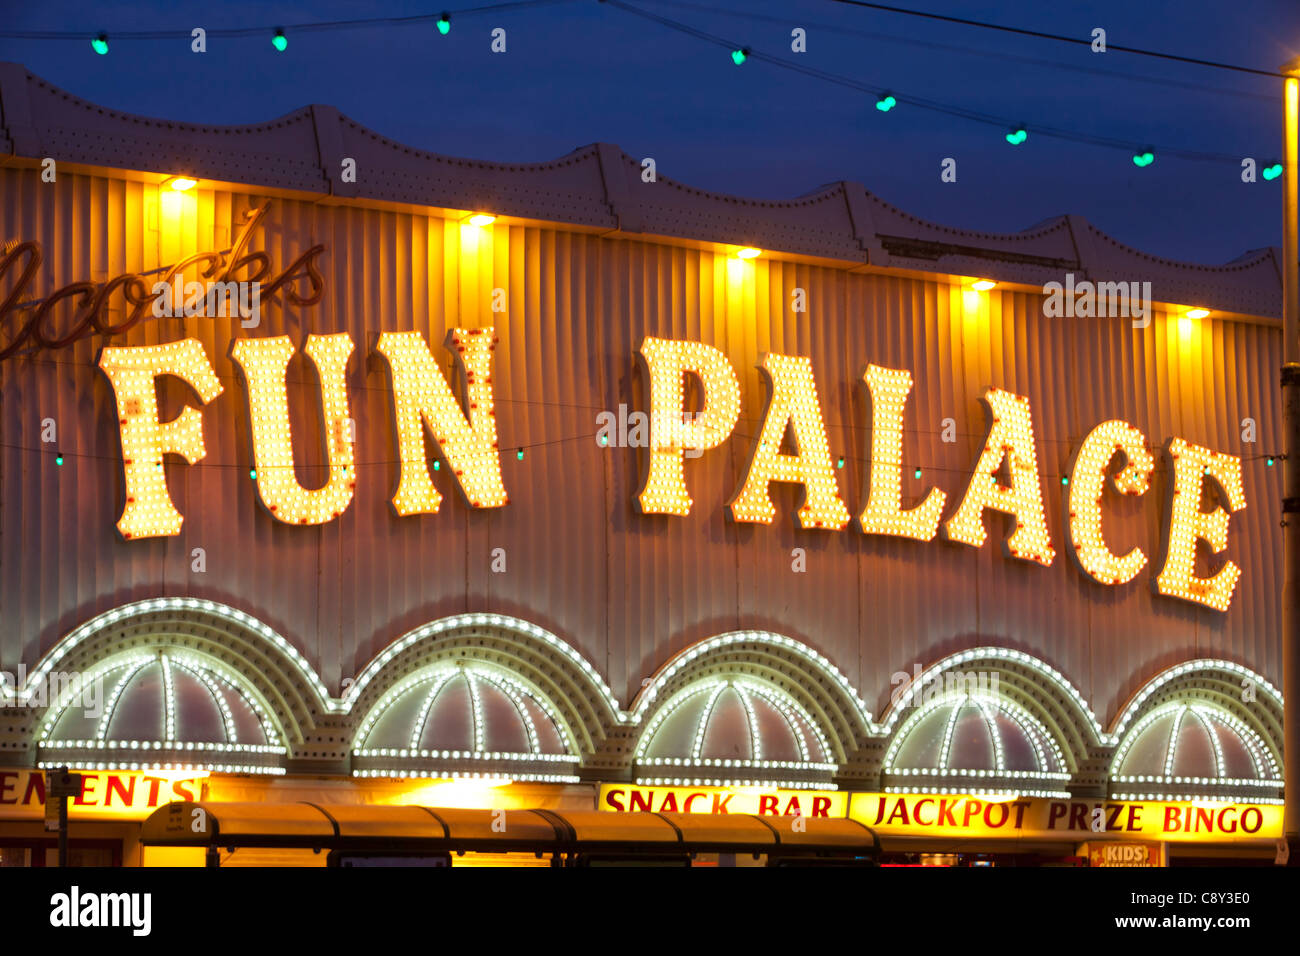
[(972, 816), (105, 794), (626, 798), (976, 816)]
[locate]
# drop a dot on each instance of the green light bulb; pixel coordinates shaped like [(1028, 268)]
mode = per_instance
[(252, 473), (886, 103), (58, 458), (840, 463), (279, 41), (444, 24), (1017, 136), (740, 56), (917, 473), (100, 44), (1272, 172), (520, 454), (1144, 159)]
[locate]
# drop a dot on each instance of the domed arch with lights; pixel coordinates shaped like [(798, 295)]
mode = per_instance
[(967, 740), (203, 641), (1202, 730), (479, 695), (752, 706), (465, 718), (1018, 679), (161, 707), (731, 731)]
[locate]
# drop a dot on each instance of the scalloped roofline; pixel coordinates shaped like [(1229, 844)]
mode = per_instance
[(599, 187)]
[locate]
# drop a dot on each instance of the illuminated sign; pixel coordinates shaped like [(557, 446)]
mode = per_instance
[(985, 816), (1123, 854), (969, 816), (91, 302), (422, 397), (1005, 478), (105, 794), (626, 798)]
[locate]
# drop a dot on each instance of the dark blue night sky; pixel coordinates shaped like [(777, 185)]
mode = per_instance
[(581, 72)]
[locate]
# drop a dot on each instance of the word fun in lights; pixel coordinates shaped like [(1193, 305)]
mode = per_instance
[(422, 396), (149, 511), (264, 362)]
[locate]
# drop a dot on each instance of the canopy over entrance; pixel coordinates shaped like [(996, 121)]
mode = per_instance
[(383, 829)]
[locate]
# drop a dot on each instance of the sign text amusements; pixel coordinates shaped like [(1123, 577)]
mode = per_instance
[(1005, 478)]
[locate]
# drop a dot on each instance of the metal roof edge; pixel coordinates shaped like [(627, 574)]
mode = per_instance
[(318, 150)]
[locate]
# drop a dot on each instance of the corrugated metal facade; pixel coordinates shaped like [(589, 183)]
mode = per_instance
[(627, 590)]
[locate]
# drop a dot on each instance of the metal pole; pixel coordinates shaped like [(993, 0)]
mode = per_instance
[(63, 831), (1291, 464)]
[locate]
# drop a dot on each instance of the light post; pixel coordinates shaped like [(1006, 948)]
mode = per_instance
[(1291, 463)]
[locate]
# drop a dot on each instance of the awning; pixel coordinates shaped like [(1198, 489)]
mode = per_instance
[(385, 828)]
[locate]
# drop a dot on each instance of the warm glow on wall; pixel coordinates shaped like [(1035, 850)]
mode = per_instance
[(264, 362), (149, 511), (170, 204), (792, 404), (1088, 482), (422, 396), (493, 793), (1010, 439), (1192, 464), (889, 389), (666, 363)]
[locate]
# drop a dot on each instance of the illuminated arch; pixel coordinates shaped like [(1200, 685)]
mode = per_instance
[(465, 719), (1224, 684), (1189, 734), (553, 671), (230, 641), (733, 731), (783, 666), (963, 741), (1013, 676), (162, 707)]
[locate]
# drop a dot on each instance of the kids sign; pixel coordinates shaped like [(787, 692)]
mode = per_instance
[(1005, 477)]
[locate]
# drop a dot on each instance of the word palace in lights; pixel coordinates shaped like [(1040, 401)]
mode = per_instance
[(422, 397)]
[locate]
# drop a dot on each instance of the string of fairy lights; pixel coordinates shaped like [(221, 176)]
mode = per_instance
[(885, 101), (1014, 132)]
